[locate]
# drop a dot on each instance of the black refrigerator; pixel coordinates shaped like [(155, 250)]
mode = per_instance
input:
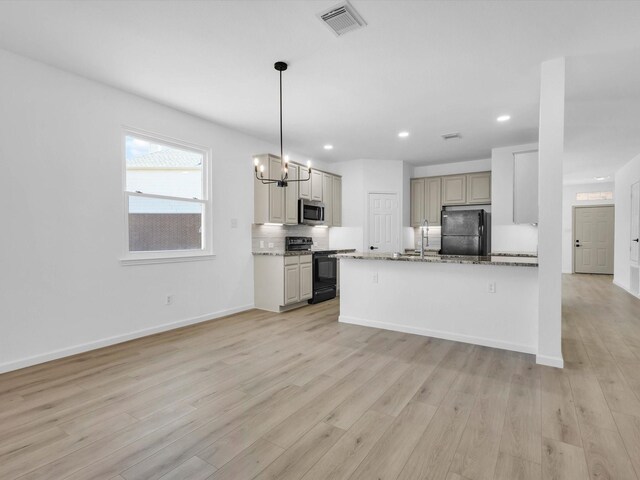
[(465, 232)]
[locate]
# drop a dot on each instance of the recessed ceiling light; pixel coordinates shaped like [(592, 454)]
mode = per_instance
[(503, 118), (600, 178), (328, 147), (403, 134)]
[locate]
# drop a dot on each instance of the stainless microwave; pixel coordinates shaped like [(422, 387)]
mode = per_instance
[(310, 212)]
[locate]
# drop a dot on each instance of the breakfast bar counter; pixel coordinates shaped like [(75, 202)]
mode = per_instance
[(490, 301)]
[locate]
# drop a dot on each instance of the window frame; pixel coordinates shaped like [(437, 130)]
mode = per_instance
[(169, 256)]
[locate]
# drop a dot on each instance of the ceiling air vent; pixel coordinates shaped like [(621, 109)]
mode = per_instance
[(450, 136), (342, 18)]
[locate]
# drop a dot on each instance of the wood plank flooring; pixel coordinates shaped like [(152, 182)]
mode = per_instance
[(299, 396)]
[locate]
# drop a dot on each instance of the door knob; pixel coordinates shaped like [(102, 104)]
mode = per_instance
[(371, 247), (636, 239)]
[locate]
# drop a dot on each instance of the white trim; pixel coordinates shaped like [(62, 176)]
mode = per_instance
[(456, 337), (147, 260), (619, 285), (557, 362), (85, 347)]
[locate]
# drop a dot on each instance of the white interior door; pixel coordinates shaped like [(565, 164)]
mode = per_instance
[(383, 228), (593, 239), (635, 222)]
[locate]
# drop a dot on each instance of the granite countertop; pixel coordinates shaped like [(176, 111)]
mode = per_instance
[(511, 261), (280, 253), (514, 254)]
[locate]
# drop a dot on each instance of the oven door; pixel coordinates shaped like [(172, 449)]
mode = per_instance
[(325, 273)]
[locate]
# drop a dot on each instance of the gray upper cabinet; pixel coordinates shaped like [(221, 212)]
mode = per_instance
[(327, 195), (316, 185), (454, 190), (433, 199), (479, 188), (417, 201), (337, 201), (304, 189), (291, 196), (525, 187), (430, 194)]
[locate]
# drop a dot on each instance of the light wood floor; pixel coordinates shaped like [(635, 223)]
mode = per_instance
[(297, 395)]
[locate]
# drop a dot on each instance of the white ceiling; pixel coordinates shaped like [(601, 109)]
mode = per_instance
[(602, 115), (429, 67)]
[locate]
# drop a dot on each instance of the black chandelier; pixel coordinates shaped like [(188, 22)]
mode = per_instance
[(283, 181)]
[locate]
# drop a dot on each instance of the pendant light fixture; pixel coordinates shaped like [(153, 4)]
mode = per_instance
[(283, 181)]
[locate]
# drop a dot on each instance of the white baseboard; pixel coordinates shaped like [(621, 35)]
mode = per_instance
[(85, 347), (624, 287), (456, 337), (557, 362)]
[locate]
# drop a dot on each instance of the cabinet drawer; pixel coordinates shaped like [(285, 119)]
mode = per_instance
[(305, 259), (292, 260)]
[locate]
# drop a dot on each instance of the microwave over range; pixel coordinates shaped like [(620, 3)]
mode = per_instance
[(310, 212)]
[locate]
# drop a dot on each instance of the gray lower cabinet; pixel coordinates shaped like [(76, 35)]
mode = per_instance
[(281, 282)]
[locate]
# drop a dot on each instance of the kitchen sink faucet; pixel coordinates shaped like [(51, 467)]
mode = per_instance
[(424, 231)]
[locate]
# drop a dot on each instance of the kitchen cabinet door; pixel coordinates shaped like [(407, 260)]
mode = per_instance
[(337, 201), (306, 280), (304, 189), (327, 195), (316, 185), (525, 187), (433, 199), (454, 190), (291, 197), (276, 194), (479, 188), (417, 201), (291, 284)]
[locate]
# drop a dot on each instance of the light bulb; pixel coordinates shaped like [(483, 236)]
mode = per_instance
[(256, 162), (261, 168), (309, 163)]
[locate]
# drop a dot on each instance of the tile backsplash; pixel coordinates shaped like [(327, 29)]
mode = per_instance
[(275, 234)]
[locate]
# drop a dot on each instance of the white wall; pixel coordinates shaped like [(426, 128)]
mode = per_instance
[(622, 271), (568, 202), (62, 287), (505, 235), (469, 166), (359, 178)]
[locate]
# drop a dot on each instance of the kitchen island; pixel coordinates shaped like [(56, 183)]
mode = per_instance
[(491, 301)]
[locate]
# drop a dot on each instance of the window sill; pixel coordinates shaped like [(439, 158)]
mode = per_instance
[(172, 259)]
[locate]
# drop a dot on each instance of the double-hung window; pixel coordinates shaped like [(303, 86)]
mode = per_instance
[(167, 199)]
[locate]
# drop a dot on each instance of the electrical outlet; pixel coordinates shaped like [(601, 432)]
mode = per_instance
[(270, 244), (234, 223), (261, 243), (374, 279), (491, 288), (169, 300)]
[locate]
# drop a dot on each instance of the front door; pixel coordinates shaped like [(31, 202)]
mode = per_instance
[(593, 239), (383, 229)]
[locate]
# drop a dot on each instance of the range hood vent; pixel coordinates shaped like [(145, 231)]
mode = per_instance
[(342, 18)]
